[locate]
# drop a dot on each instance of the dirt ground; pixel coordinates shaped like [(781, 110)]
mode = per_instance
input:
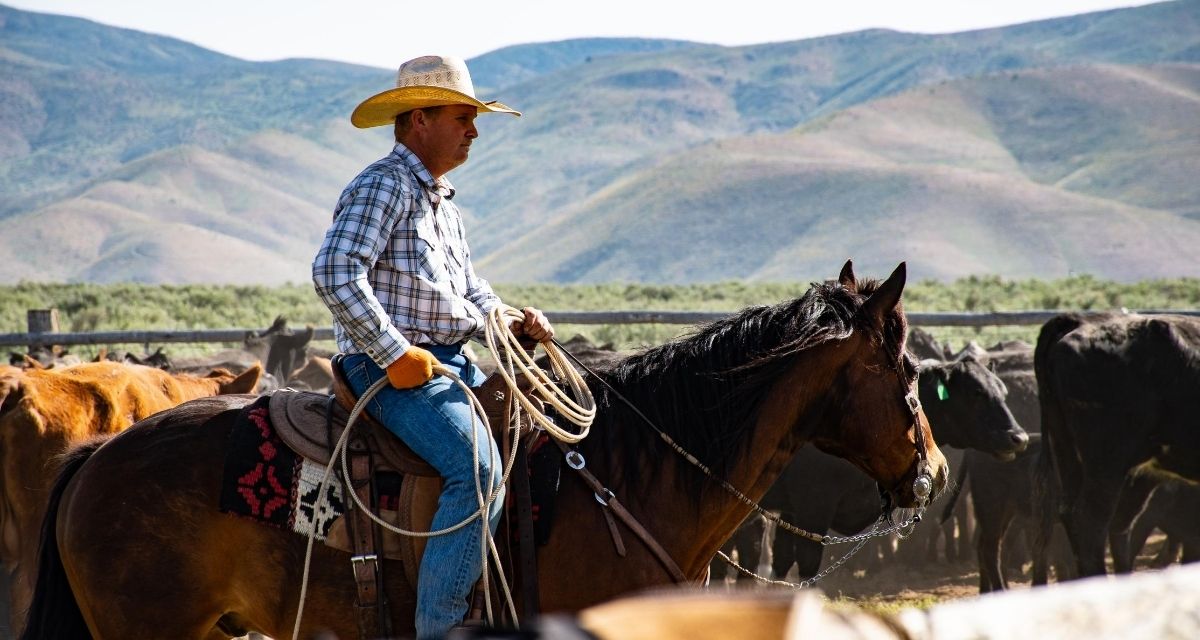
[(897, 584)]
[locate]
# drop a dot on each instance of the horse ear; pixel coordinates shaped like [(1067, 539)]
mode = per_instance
[(886, 297), (846, 277)]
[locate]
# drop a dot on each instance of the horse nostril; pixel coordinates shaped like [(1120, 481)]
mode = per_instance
[(1020, 439)]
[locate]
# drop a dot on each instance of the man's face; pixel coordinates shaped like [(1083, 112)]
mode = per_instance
[(446, 135)]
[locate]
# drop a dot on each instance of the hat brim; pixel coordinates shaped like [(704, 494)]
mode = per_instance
[(382, 108)]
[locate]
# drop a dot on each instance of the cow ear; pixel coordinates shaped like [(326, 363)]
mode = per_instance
[(846, 277), (931, 380), (1163, 330), (246, 382), (886, 297)]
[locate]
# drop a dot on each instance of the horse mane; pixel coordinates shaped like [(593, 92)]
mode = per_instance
[(705, 389)]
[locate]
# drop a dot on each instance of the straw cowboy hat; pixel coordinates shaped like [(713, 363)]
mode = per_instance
[(428, 81)]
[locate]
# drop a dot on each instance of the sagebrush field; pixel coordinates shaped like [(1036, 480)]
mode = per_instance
[(117, 307)]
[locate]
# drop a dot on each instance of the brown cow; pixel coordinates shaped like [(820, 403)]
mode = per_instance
[(44, 411), (315, 375)]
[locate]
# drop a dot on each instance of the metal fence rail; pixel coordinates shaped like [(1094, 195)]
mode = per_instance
[(559, 317)]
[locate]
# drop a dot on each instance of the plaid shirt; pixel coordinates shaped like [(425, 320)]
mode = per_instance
[(394, 268)]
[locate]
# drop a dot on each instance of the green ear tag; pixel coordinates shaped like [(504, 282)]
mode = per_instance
[(943, 392)]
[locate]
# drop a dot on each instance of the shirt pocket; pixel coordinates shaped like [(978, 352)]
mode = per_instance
[(430, 257)]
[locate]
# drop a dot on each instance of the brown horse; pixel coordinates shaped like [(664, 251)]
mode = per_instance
[(43, 411), (742, 395)]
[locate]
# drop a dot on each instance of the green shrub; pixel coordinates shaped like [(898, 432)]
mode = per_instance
[(126, 306)]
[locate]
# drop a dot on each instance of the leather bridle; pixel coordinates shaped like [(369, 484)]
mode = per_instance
[(922, 482), (923, 479)]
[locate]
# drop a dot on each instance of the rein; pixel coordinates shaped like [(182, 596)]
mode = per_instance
[(922, 484), (579, 408)]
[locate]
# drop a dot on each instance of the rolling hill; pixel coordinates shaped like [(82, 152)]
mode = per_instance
[(1041, 172), (1066, 145)]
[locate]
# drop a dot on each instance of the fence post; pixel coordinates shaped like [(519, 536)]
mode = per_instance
[(41, 321)]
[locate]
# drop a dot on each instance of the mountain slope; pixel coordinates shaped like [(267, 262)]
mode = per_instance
[(78, 98), (584, 125), (1019, 175), (152, 149)]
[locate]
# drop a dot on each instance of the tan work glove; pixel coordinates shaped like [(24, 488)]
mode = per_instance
[(413, 369)]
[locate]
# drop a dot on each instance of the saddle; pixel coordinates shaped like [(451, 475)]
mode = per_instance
[(305, 421), (311, 423)]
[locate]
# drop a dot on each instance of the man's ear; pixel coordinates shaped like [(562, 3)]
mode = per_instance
[(420, 120)]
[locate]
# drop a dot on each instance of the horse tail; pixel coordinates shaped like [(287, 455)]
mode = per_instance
[(959, 481), (54, 613)]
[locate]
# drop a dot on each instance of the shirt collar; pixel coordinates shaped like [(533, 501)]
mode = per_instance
[(441, 186)]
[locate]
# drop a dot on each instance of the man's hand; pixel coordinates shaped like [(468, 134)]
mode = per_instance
[(534, 328), (413, 369)]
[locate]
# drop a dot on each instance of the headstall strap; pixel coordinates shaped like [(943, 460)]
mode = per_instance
[(914, 402), (923, 480)]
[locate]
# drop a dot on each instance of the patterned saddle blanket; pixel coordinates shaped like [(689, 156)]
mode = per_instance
[(266, 480)]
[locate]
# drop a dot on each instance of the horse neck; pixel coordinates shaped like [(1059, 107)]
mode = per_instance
[(795, 409), (692, 528)]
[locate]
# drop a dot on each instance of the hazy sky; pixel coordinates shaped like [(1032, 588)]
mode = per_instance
[(383, 34)]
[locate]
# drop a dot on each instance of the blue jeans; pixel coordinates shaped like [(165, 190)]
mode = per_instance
[(435, 420)]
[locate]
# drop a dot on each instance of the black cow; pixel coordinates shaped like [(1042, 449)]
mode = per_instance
[(747, 541), (1012, 362), (1174, 509), (818, 493), (1002, 496), (1000, 491), (923, 345), (595, 357), (1117, 391), (964, 403), (158, 359)]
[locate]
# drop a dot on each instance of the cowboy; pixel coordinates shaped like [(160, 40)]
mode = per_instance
[(395, 271)]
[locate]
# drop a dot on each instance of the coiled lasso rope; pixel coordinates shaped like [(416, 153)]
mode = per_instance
[(579, 408)]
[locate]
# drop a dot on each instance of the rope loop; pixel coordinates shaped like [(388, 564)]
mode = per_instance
[(579, 408)]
